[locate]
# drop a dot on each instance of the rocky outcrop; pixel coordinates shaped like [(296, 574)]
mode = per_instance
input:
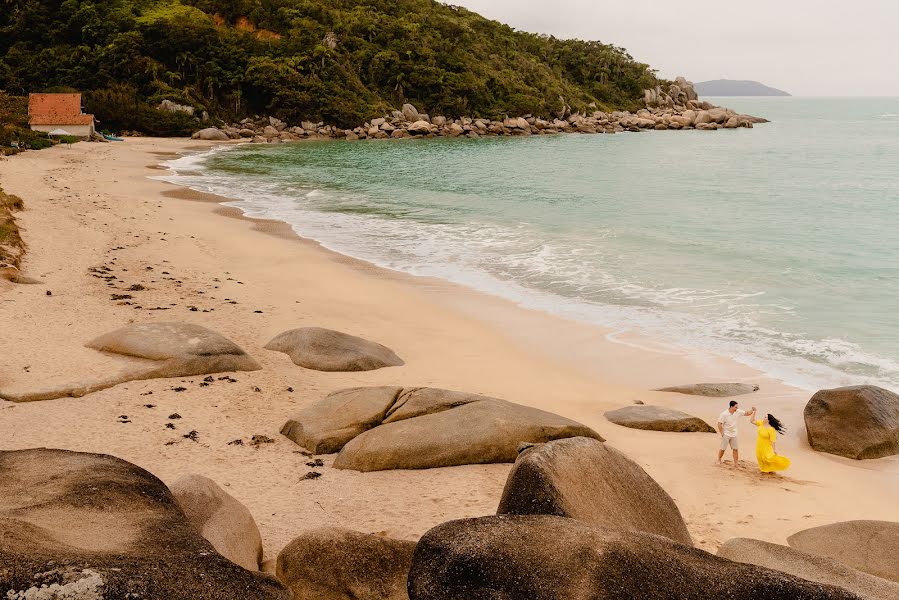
[(105, 529), (808, 566), (584, 479), (380, 428), (858, 422), (548, 558), (333, 563), (329, 350), (657, 418), (178, 350), (213, 134), (712, 390), (675, 108), (869, 546), (222, 520)]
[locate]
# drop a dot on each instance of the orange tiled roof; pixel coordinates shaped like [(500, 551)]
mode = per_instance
[(57, 109)]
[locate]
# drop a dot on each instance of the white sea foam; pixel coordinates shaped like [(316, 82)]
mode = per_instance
[(513, 261)]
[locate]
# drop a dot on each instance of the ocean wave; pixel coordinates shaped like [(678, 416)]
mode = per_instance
[(515, 262)]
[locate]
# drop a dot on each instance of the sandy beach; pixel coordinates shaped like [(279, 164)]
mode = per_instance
[(95, 205)]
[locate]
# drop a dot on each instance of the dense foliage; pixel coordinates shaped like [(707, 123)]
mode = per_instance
[(11, 245), (14, 127), (339, 61)]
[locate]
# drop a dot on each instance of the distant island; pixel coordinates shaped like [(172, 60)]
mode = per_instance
[(733, 87)]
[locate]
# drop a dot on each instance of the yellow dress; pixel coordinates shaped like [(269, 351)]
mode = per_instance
[(764, 450)]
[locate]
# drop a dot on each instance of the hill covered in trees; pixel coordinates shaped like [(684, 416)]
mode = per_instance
[(338, 61)]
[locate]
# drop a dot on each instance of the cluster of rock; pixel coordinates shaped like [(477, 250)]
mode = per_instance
[(382, 428), (677, 108), (577, 519)]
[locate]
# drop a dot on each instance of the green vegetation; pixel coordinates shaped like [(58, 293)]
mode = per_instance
[(14, 127), (339, 61), (11, 245)]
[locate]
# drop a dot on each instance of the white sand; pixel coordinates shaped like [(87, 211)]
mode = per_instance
[(92, 205)]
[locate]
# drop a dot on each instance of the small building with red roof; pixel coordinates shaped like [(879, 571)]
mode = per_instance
[(48, 112)]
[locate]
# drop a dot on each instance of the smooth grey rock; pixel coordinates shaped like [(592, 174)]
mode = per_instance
[(383, 428), (869, 546), (713, 390), (858, 422), (326, 426), (584, 479), (211, 134), (63, 513), (657, 418), (220, 518), (333, 563), (410, 113), (328, 350), (178, 350), (550, 558), (808, 566)]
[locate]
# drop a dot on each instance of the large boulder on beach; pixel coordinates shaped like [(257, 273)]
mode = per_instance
[(170, 349), (869, 546), (183, 349), (857, 422), (96, 527), (327, 425), (220, 518), (712, 390), (808, 566), (657, 418), (381, 428), (213, 134), (328, 350), (333, 563), (548, 558), (584, 479)]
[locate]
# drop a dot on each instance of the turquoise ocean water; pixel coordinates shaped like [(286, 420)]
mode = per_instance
[(777, 246)]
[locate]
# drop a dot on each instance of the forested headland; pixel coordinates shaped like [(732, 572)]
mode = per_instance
[(337, 61)]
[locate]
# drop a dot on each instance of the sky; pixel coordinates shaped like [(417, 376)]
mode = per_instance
[(805, 47)]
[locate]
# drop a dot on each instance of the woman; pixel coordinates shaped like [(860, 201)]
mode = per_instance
[(765, 448)]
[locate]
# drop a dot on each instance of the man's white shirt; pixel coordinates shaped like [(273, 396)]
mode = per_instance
[(729, 421)]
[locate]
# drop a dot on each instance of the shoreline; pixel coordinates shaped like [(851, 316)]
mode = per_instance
[(692, 360), (449, 336), (530, 326)]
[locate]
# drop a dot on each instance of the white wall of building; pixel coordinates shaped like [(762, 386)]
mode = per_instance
[(77, 130)]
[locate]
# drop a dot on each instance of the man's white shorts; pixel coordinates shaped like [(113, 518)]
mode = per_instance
[(731, 441)]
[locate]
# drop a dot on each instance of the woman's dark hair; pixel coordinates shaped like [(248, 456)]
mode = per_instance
[(777, 425)]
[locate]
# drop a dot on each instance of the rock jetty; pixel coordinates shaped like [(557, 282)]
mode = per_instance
[(676, 107)]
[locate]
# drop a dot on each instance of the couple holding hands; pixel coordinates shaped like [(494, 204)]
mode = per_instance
[(765, 445)]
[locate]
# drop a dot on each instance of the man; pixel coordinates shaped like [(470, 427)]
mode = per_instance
[(727, 427)]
